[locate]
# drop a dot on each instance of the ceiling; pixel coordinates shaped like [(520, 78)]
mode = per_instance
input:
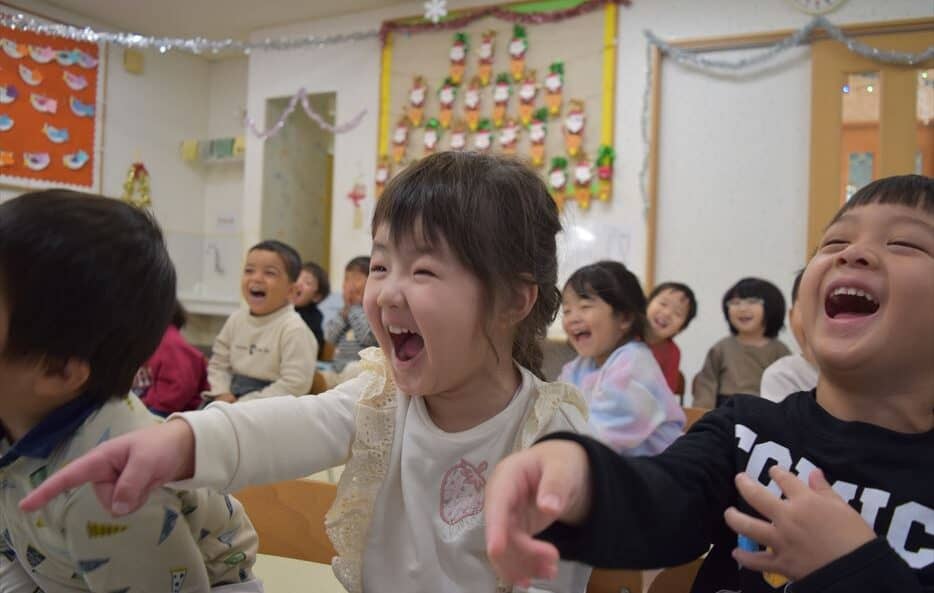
[(214, 19)]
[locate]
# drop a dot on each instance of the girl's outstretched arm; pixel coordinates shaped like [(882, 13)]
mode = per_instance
[(123, 471)]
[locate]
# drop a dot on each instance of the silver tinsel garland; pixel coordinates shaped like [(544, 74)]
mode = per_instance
[(193, 45), (697, 59)]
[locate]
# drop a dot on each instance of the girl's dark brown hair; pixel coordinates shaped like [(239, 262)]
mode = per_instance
[(498, 219), (612, 282)]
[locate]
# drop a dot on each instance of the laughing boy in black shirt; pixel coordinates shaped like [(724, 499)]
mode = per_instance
[(749, 478)]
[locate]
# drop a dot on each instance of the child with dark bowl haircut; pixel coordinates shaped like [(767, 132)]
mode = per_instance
[(67, 360)]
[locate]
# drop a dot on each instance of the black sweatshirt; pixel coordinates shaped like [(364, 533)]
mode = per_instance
[(651, 512)]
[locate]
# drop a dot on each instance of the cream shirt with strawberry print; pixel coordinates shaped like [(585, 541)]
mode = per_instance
[(409, 509)]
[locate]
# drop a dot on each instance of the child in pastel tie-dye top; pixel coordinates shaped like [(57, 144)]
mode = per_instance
[(632, 409)]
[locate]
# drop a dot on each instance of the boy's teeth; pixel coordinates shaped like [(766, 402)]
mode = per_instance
[(853, 291), (399, 330)]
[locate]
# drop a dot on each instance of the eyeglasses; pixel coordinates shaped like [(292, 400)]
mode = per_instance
[(747, 302)]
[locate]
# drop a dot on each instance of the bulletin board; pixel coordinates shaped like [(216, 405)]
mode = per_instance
[(51, 93), (543, 91)]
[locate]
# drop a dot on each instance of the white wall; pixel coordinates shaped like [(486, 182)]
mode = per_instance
[(734, 153), (223, 181), (733, 178)]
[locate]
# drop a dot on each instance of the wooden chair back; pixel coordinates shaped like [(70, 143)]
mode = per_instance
[(289, 518), (318, 384), (604, 580), (677, 579), (327, 352), (692, 415)]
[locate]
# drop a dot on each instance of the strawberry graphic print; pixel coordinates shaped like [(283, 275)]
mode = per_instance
[(462, 497)]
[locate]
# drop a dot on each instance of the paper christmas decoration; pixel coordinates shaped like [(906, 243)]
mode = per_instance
[(501, 93), (605, 158), (583, 181), (554, 88), (472, 96), (458, 57), (574, 127), (431, 136), (528, 91), (446, 97), (417, 96), (538, 131), (458, 135), (483, 137), (558, 180), (509, 136), (485, 55), (518, 46), (400, 140), (383, 171)]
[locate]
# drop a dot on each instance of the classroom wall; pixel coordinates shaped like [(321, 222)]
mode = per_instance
[(223, 181), (734, 150), (145, 117), (350, 70)]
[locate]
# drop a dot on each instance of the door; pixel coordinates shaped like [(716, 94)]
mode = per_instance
[(869, 119)]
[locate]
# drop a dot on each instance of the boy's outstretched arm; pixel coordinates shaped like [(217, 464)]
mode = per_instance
[(527, 492), (123, 471), (813, 537), (607, 510)]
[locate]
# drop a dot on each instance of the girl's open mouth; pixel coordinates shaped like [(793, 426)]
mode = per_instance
[(405, 343)]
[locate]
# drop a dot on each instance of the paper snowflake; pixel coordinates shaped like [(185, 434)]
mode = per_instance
[(435, 10)]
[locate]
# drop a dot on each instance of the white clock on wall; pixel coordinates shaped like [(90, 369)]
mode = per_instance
[(817, 6)]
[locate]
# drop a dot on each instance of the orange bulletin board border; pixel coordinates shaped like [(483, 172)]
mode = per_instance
[(51, 111)]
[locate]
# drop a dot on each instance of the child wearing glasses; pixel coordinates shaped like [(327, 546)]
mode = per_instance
[(755, 311)]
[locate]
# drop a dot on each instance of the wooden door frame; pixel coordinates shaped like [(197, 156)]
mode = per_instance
[(740, 42)]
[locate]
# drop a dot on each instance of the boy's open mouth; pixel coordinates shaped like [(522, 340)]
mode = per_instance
[(846, 302), (405, 343), (257, 293)]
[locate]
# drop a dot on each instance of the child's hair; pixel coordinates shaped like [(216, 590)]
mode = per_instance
[(360, 264), (290, 258), (612, 282), (324, 285), (84, 277), (796, 285), (773, 303), (683, 289), (498, 219), (179, 316), (913, 191)]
